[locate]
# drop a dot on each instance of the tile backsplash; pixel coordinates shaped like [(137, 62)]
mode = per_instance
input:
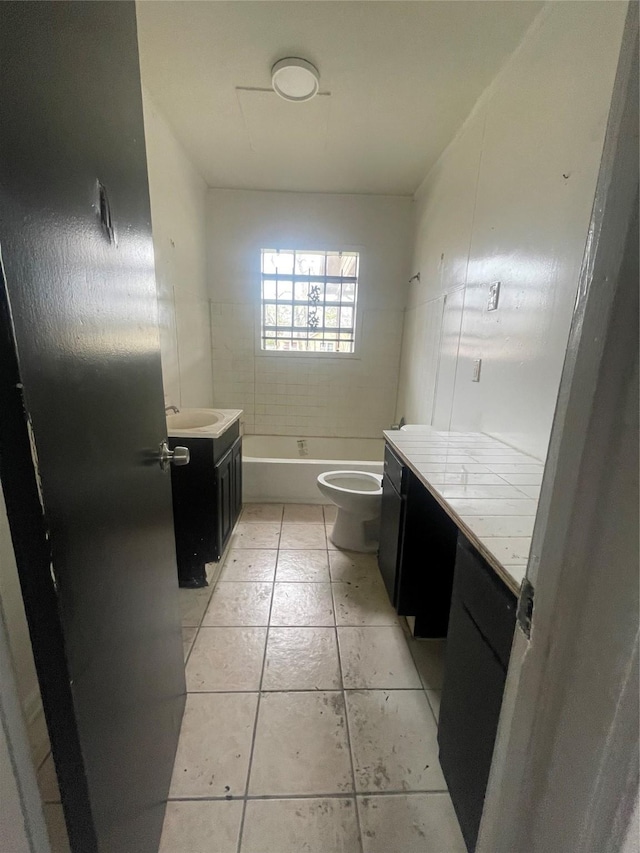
[(285, 393), (306, 395)]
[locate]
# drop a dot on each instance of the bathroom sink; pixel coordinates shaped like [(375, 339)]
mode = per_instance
[(194, 418), (201, 423)]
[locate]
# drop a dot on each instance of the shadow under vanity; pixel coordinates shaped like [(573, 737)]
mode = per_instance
[(444, 557), (207, 493)]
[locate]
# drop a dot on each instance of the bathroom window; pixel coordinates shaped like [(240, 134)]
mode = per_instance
[(308, 301)]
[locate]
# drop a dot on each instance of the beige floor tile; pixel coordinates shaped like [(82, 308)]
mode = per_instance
[(303, 513), (303, 536), (312, 825), (429, 659), (376, 658), (226, 659), (301, 659), (188, 636), (301, 745), (412, 823), (302, 604), (193, 603), (305, 566), (262, 512), (48, 782), (393, 741), (350, 566), (255, 534), (201, 827), (249, 564), (330, 513), (56, 827), (239, 604), (362, 603), (212, 759), (434, 697)]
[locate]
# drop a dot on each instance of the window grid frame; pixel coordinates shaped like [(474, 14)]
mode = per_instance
[(342, 338)]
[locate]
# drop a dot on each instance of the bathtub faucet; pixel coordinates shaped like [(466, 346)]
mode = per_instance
[(168, 409)]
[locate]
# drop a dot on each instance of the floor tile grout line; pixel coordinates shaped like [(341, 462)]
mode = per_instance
[(346, 625), (348, 733), (344, 699), (322, 795), (420, 689), (255, 724)]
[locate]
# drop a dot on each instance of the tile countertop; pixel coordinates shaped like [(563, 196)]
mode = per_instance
[(489, 489)]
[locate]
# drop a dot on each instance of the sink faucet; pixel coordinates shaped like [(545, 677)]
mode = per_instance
[(168, 409)]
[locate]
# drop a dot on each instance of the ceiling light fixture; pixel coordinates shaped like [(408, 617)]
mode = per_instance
[(295, 79)]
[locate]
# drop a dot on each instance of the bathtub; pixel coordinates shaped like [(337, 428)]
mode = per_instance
[(284, 469)]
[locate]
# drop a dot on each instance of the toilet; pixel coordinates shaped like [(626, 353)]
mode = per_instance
[(358, 496)]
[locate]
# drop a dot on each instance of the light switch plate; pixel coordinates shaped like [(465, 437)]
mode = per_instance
[(477, 364), (494, 296)]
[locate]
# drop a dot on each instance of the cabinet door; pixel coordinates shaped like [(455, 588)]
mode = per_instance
[(471, 701), (425, 571), (481, 626), (390, 532), (236, 452), (224, 499)]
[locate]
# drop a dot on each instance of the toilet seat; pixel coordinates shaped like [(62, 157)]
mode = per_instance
[(349, 481)]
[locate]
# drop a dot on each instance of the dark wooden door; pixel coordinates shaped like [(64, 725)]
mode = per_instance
[(81, 415)]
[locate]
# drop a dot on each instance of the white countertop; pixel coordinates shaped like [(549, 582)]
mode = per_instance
[(489, 489)]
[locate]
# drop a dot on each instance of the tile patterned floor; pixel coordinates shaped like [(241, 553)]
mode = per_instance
[(311, 715)]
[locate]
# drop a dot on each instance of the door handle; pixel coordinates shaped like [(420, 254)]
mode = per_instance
[(178, 456)]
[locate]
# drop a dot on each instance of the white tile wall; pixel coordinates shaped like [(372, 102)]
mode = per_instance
[(509, 201), (285, 394)]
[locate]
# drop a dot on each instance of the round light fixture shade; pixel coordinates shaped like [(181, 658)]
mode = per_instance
[(295, 79)]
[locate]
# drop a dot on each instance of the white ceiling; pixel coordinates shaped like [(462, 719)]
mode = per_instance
[(402, 77)]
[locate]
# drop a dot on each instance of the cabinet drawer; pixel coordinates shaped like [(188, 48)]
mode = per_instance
[(491, 605), (394, 469)]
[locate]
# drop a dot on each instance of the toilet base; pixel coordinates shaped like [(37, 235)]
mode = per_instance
[(353, 534)]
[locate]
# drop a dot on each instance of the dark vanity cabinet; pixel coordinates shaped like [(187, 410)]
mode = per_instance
[(228, 481), (207, 501), (481, 626), (417, 549)]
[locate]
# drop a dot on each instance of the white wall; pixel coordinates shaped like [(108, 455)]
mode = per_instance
[(510, 201), (324, 395), (178, 214)]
